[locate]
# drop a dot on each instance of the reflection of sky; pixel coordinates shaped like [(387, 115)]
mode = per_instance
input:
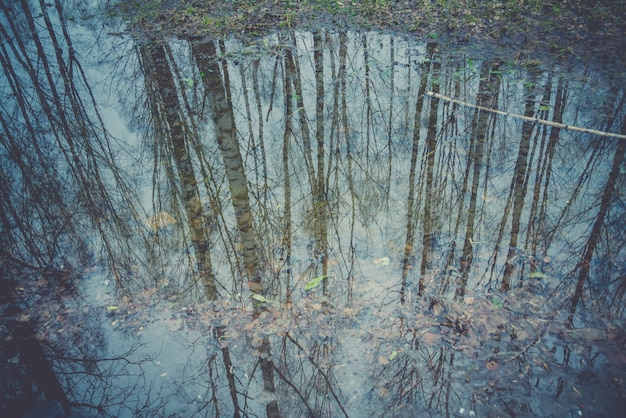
[(116, 80)]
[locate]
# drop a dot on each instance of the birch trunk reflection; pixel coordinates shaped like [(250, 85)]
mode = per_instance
[(218, 94), (217, 90), (167, 111)]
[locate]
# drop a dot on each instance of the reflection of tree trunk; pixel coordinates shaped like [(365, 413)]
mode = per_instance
[(304, 121), (345, 135), (407, 262), (487, 96), (320, 198), (390, 116), (159, 73), (559, 108), (219, 97), (541, 200), (230, 375), (592, 241), (218, 93), (519, 192), (428, 236), (286, 230), (368, 100)]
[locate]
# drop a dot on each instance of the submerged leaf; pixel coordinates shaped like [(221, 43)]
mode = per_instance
[(315, 282), (497, 303)]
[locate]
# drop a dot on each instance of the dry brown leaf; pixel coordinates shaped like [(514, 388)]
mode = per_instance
[(491, 365), (158, 221)]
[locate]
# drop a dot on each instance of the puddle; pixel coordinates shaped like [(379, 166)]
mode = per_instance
[(330, 223)]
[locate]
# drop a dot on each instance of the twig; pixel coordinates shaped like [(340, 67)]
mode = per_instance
[(523, 350), (526, 118)]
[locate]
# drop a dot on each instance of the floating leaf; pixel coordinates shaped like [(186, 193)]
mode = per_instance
[(260, 298), (315, 282), (491, 365), (380, 262), (537, 275), (112, 309), (393, 355), (158, 221), (263, 299)]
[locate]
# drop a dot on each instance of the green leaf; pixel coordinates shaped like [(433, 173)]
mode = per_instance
[(315, 282), (393, 355), (497, 303), (260, 298), (537, 275)]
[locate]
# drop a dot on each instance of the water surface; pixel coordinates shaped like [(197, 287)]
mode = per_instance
[(328, 223)]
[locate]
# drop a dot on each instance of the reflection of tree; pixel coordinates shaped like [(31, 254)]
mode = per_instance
[(306, 368), (488, 90), (413, 203), (167, 110), (221, 108), (594, 236), (519, 186), (61, 158), (320, 191), (430, 154), (537, 218)]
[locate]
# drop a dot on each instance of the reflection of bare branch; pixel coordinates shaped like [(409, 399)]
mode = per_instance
[(300, 395), (321, 372), (522, 351)]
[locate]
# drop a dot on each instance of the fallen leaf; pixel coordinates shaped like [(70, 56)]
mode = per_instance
[(380, 262), (491, 365), (313, 283), (158, 221)]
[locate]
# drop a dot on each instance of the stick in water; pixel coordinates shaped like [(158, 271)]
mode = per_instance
[(526, 118)]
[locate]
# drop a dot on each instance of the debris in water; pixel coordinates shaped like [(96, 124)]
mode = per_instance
[(158, 221)]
